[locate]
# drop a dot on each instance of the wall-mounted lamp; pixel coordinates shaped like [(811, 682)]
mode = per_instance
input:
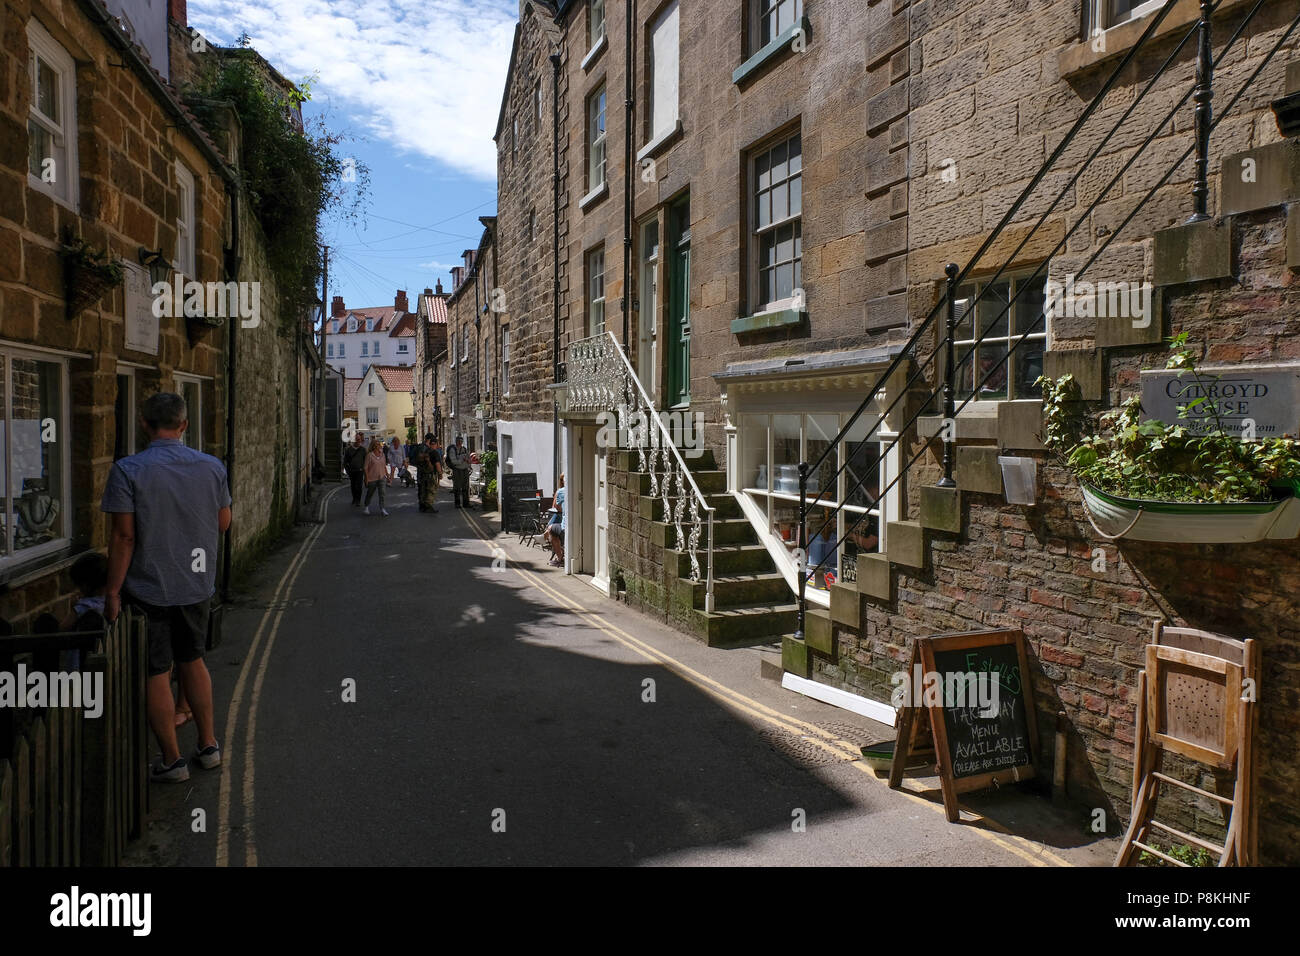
[(160, 269)]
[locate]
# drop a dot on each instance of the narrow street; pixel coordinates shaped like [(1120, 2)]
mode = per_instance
[(499, 718)]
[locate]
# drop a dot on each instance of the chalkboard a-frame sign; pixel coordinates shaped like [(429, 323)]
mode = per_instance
[(973, 751)]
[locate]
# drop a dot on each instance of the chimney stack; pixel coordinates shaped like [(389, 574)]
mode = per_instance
[(457, 275), (337, 308), (439, 287), (400, 303), (176, 9), (428, 291)]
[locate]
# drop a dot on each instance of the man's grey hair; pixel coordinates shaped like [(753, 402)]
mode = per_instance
[(165, 410)]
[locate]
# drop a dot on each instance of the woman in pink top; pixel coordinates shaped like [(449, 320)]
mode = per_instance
[(376, 474)]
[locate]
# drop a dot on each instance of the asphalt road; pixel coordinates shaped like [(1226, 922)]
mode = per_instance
[(502, 716)]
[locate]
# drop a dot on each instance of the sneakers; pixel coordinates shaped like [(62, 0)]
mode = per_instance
[(383, 512), (367, 511), (209, 758), (178, 772)]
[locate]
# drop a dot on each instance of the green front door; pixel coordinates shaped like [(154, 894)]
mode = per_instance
[(678, 338)]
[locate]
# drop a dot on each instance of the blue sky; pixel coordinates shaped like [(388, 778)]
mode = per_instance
[(419, 83)]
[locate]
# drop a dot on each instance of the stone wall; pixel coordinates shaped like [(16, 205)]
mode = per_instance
[(129, 140)]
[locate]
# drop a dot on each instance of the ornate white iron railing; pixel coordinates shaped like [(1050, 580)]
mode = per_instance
[(601, 379)]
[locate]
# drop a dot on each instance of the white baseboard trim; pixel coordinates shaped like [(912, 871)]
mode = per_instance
[(882, 713)]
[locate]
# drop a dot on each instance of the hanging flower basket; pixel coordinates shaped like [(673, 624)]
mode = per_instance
[(1115, 517), (88, 273), (197, 326)]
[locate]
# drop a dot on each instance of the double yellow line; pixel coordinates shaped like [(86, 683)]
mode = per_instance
[(273, 616), (823, 739)]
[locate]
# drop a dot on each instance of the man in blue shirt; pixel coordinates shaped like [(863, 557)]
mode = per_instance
[(170, 505)]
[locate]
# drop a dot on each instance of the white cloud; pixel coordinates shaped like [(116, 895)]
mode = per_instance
[(425, 76), (436, 266)]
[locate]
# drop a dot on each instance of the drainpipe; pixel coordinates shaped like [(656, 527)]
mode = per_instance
[(628, 157), (234, 261), (555, 256)]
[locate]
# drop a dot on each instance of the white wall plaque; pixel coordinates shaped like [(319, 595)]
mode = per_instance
[(141, 323)]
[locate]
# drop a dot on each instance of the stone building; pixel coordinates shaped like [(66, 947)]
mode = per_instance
[(525, 312), (100, 149), (472, 328), (754, 249), (430, 342)]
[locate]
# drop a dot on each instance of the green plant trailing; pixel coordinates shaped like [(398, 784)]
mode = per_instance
[(1121, 453), (292, 174)]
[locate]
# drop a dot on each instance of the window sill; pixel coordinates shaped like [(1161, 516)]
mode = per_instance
[(52, 557), (594, 53), (767, 320), (44, 189), (1080, 57), (593, 197), (659, 142), (777, 46)]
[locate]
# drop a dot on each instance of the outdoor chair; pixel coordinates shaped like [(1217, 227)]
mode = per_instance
[(1196, 699)]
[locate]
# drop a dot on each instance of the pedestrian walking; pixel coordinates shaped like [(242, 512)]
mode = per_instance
[(396, 460), (376, 468), (458, 461), (354, 465), (170, 504), (428, 469)]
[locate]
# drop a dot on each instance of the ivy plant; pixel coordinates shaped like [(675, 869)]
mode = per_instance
[(293, 173), (1121, 452)]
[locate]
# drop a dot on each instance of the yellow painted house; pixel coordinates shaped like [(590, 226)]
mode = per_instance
[(385, 402)]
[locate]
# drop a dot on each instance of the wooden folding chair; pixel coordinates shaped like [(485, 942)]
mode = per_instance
[(1191, 702)]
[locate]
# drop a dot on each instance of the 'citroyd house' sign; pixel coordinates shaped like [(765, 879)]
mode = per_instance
[(1253, 401)]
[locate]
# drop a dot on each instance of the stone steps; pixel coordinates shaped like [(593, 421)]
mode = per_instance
[(727, 559)]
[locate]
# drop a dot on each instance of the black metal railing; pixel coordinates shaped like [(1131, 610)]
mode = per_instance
[(914, 353)]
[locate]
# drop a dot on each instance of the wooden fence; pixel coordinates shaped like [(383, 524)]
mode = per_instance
[(74, 788)]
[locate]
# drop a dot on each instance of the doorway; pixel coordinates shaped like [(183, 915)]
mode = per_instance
[(678, 344), (588, 500)]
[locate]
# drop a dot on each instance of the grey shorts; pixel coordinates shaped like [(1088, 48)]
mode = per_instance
[(177, 633)]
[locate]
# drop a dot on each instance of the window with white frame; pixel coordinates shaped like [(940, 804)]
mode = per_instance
[(128, 436), (403, 347), (370, 325), (370, 388), (365, 348), (1111, 13), (849, 516), (464, 343), (341, 348), (596, 291), (665, 68), (372, 417), (191, 389), (772, 18), (352, 324), (35, 439), (596, 140), (52, 117), (595, 22), (374, 348), (777, 223), (185, 221), (329, 349), (1007, 311), (537, 104), (505, 360), (334, 327)]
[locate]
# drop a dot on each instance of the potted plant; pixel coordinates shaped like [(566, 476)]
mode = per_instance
[(1147, 480), (486, 468), (88, 273)]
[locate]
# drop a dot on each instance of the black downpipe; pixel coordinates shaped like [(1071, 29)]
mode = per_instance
[(234, 262)]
